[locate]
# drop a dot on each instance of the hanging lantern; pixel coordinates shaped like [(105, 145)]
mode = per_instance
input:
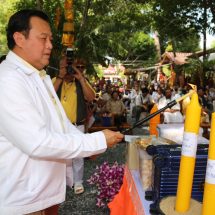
[(68, 5), (57, 17), (68, 34)]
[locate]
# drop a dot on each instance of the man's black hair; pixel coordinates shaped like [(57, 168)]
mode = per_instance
[(20, 22)]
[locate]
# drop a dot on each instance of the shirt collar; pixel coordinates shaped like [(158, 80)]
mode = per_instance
[(26, 67)]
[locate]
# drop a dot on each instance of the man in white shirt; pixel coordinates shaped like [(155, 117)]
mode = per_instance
[(132, 96), (173, 114), (37, 140), (143, 103)]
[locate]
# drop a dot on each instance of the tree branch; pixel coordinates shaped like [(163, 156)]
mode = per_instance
[(39, 4), (85, 14)]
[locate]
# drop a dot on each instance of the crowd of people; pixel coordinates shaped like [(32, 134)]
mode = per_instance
[(136, 101)]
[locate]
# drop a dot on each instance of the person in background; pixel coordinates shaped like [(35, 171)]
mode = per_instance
[(203, 101), (132, 96), (116, 107), (37, 139), (107, 94), (125, 97), (143, 103), (173, 114), (74, 91), (102, 83), (157, 95)]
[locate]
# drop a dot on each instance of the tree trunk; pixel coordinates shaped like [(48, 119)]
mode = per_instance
[(158, 49), (39, 4), (203, 72), (157, 45), (85, 13), (173, 47), (205, 30), (211, 5)]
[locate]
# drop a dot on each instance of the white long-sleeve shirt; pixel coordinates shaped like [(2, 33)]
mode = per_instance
[(175, 117), (34, 147)]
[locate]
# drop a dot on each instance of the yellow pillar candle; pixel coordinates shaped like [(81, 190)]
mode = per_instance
[(68, 27), (188, 155), (154, 121), (208, 207)]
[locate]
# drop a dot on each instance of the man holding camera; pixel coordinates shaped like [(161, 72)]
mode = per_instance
[(74, 91)]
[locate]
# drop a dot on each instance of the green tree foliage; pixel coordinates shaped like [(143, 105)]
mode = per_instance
[(6, 12), (188, 44), (213, 44), (123, 29), (116, 28), (181, 21), (111, 28)]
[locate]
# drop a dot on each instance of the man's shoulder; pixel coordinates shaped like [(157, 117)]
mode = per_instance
[(9, 70)]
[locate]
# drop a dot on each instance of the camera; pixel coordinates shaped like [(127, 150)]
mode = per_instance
[(70, 58)]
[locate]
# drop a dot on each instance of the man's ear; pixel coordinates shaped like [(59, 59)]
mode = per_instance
[(19, 39)]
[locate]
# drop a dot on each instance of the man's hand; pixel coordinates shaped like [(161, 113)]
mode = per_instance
[(112, 137), (78, 75), (63, 66)]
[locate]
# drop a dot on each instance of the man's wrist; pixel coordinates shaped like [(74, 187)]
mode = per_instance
[(82, 80)]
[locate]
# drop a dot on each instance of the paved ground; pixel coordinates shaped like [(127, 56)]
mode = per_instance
[(85, 204)]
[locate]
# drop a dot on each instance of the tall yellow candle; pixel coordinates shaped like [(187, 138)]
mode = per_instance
[(208, 207), (154, 121), (188, 155)]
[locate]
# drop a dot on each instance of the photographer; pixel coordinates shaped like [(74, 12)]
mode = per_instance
[(74, 91)]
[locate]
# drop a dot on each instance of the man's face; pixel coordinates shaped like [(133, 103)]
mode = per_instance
[(36, 48), (136, 87), (80, 67), (200, 92), (159, 91), (168, 94), (115, 95)]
